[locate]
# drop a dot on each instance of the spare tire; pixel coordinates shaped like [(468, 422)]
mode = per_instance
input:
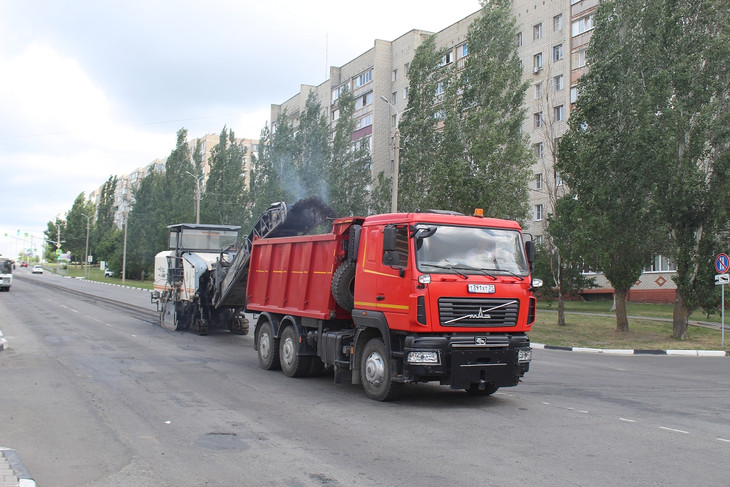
[(343, 285)]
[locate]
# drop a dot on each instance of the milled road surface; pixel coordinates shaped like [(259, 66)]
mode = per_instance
[(92, 396)]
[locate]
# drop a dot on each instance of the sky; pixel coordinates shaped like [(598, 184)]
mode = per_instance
[(91, 89)]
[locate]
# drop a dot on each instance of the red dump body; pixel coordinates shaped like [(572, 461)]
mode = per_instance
[(293, 275)]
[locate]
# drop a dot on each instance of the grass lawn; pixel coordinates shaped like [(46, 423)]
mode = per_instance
[(93, 273), (593, 325)]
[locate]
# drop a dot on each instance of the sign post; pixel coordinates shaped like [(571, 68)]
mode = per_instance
[(722, 264)]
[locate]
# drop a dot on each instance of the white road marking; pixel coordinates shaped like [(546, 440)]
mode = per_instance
[(674, 430)]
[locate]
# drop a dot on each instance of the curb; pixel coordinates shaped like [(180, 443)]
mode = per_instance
[(13, 467), (621, 351)]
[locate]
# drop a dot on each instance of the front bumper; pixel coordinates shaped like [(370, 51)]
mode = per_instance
[(468, 359)]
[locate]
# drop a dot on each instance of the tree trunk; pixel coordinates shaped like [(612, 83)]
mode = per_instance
[(561, 295), (561, 310), (680, 317), (622, 321)]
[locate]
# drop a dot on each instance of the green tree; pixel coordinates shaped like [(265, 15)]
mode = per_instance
[(420, 137), (265, 187), (53, 232), (348, 172), (81, 214), (313, 150), (495, 166), (686, 75), (224, 201), (147, 231), (607, 160), (104, 225), (179, 183)]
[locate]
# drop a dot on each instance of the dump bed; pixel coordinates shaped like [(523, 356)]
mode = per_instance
[(293, 275)]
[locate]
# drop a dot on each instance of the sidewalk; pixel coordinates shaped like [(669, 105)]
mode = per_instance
[(12, 471)]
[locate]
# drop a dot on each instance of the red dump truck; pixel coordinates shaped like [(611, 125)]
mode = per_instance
[(397, 298)]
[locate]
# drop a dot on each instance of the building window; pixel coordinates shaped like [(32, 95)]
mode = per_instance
[(395, 74), (661, 264), (559, 112), (573, 94), (582, 25), (537, 62), (538, 119), (538, 181), (558, 52), (365, 121), (538, 90), (538, 148), (405, 92), (579, 58), (394, 98), (406, 67), (462, 51), (539, 213), (335, 114), (447, 58), (519, 39), (558, 22), (393, 120), (364, 78), (364, 100), (558, 82), (337, 92), (537, 32), (439, 88)]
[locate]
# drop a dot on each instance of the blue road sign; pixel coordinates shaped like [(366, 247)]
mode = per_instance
[(722, 263)]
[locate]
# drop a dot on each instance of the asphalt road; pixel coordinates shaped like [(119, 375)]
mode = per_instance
[(92, 396)]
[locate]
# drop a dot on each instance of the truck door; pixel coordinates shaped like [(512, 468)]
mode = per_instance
[(393, 278)]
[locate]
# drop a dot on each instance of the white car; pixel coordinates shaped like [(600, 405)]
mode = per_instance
[(37, 269)]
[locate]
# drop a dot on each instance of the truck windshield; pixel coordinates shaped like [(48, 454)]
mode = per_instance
[(6, 267), (195, 239), (469, 250)]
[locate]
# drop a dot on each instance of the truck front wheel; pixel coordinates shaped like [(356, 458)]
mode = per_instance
[(268, 347), (292, 364), (375, 372)]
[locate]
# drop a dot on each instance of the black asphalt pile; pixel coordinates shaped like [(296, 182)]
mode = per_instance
[(303, 217)]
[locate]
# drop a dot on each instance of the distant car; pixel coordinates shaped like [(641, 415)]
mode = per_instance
[(23, 264), (108, 273), (37, 269)]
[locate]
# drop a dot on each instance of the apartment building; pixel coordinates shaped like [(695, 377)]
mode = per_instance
[(552, 41)]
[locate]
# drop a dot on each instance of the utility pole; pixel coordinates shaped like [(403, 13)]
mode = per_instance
[(86, 257), (396, 155), (199, 181), (124, 248)]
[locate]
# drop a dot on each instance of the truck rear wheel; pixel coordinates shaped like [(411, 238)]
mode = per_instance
[(375, 372), (292, 364), (343, 285), (268, 347)]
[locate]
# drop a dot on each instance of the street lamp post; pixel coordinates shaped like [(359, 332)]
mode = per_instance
[(86, 257), (396, 155), (199, 180)]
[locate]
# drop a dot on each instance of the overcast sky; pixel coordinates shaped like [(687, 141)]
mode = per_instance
[(90, 89)]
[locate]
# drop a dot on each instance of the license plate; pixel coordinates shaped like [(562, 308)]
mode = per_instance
[(481, 288)]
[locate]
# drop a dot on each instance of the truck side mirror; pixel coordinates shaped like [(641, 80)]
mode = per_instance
[(389, 238), (530, 251)]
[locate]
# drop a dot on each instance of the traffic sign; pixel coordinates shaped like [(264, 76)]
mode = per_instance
[(722, 263), (722, 279)]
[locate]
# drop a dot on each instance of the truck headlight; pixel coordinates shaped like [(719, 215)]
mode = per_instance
[(423, 357), (524, 355)]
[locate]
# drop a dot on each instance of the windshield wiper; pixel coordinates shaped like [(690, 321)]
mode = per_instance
[(448, 267), (507, 271)]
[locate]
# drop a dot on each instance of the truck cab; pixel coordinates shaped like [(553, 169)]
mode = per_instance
[(449, 295)]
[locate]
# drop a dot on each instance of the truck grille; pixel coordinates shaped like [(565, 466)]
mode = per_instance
[(480, 312)]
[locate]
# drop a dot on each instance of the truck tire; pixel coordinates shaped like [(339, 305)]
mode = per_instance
[(375, 372), (343, 286), (292, 364), (267, 347)]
